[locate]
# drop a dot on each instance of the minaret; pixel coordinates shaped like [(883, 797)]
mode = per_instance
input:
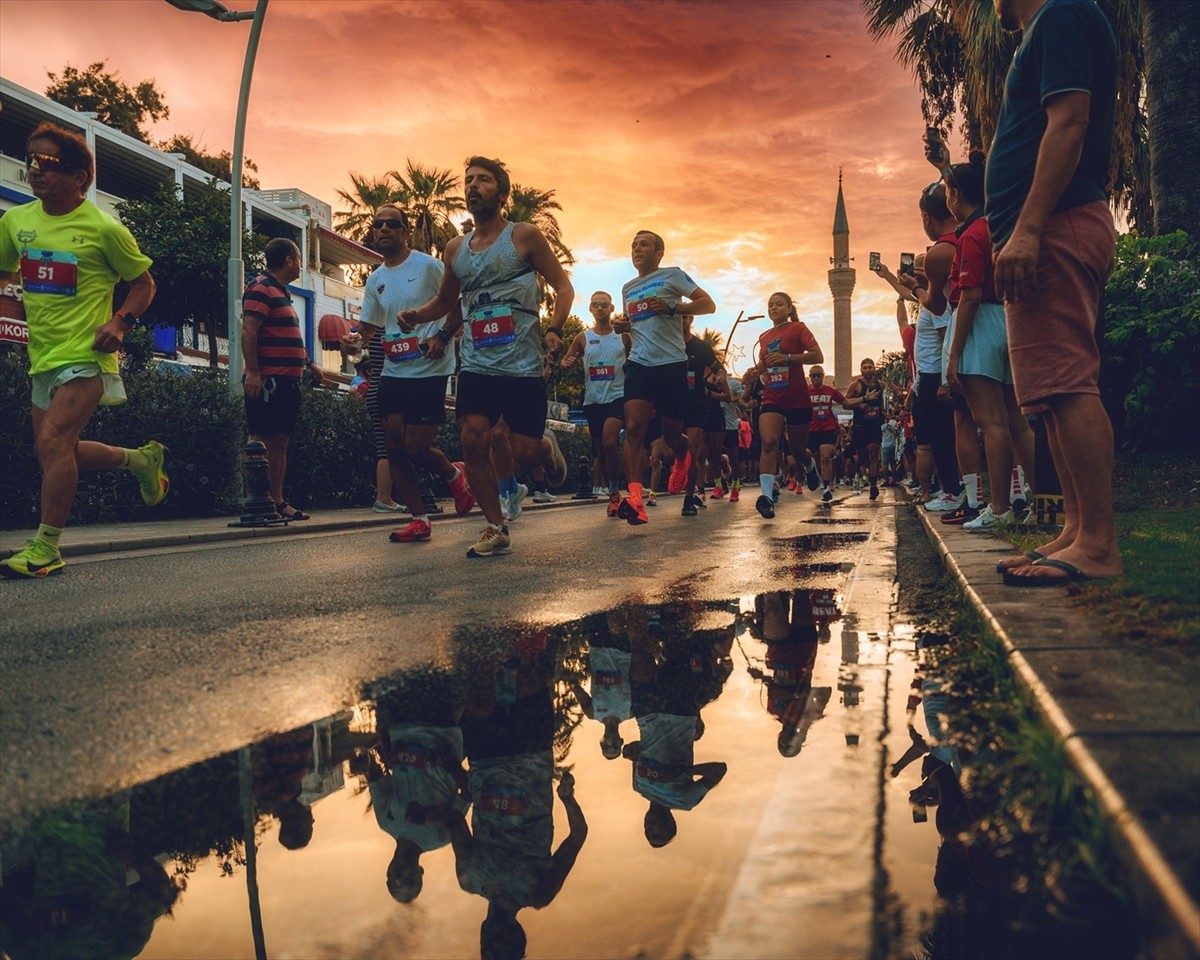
[(841, 284)]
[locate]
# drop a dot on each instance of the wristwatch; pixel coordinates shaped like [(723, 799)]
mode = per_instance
[(128, 320), (444, 335), (671, 305)]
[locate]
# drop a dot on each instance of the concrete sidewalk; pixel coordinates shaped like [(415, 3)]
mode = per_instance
[(1128, 717), (115, 537)]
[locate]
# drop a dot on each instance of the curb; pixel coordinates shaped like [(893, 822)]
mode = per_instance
[(1143, 854)]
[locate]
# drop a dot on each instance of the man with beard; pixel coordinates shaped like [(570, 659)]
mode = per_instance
[(494, 269), (412, 385)]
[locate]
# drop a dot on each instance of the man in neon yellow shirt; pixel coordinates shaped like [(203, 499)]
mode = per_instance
[(70, 256)]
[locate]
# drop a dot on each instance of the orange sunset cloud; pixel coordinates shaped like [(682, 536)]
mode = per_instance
[(722, 126)]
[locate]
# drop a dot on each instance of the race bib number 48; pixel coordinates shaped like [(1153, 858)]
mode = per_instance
[(492, 325), (49, 271)]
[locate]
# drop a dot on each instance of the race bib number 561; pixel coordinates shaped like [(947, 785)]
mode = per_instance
[(49, 271)]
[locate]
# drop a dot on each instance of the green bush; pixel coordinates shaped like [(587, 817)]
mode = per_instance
[(1151, 370)]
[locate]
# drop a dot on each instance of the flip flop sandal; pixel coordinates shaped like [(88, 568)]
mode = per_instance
[(1073, 575), (283, 508), (1031, 554)]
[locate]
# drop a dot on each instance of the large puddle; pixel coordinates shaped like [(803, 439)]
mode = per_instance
[(658, 780)]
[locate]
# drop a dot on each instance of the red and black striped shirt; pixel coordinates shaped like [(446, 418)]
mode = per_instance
[(281, 350)]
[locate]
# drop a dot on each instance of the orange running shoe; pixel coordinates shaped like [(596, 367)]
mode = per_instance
[(633, 514), (614, 504), (464, 498), (679, 474)]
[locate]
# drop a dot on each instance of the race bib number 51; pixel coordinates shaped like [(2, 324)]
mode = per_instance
[(492, 325), (49, 271)]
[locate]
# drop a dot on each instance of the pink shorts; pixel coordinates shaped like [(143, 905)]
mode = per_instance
[(1052, 336)]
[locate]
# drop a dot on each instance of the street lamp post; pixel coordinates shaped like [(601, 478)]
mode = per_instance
[(740, 319), (236, 278)]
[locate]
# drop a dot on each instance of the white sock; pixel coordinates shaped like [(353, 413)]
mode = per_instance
[(767, 482), (424, 518), (971, 484)]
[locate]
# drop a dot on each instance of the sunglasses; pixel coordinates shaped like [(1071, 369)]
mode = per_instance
[(45, 163), (393, 224), (600, 303)]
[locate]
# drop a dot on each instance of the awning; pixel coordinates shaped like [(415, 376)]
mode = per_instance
[(343, 251), (331, 328)]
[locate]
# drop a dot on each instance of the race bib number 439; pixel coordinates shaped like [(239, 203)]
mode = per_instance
[(492, 325), (402, 348), (49, 271)]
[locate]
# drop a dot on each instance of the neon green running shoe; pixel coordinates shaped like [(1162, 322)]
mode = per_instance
[(153, 481), (38, 559)]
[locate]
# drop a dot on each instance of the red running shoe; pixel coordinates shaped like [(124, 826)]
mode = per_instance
[(633, 514), (464, 498), (734, 493), (614, 504), (679, 474), (416, 530)]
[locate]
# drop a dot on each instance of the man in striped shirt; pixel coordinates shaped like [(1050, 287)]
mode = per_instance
[(275, 360)]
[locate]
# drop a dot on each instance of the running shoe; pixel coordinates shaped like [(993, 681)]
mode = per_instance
[(689, 507), (799, 489), (827, 495), (679, 474), (945, 503), (38, 559), (810, 475), (416, 530), (556, 472), (510, 506), (153, 481), (464, 498), (718, 491), (735, 494), (791, 484), (874, 491), (614, 501), (765, 506), (633, 514), (381, 507), (1021, 509), (492, 542), (599, 491), (543, 496), (651, 498), (701, 501), (963, 515), (990, 520)]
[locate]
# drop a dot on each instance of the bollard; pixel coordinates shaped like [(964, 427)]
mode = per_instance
[(258, 509), (583, 489), (1047, 490)]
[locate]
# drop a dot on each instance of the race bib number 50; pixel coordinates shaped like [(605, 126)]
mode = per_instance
[(492, 325), (638, 310), (49, 271)]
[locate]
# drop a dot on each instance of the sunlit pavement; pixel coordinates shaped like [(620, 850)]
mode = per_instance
[(773, 840)]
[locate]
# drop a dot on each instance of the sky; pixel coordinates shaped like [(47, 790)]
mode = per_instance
[(720, 125)]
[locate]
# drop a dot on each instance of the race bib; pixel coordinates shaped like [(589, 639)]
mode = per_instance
[(504, 804), (402, 348), (49, 271), (691, 380), (605, 372), (777, 378), (405, 755), (492, 325), (606, 678), (638, 310)]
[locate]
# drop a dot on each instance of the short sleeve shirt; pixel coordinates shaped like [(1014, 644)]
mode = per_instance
[(657, 337), (405, 286), (972, 266), (786, 385), (662, 772), (281, 350), (69, 266), (823, 398), (701, 358), (1068, 46)]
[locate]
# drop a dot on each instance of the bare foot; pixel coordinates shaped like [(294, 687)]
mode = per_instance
[(1087, 567)]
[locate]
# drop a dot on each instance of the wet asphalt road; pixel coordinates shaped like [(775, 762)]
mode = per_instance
[(127, 667)]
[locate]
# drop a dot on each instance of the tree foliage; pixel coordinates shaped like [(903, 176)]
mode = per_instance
[(219, 165), (363, 198), (115, 103), (428, 197), (187, 237)]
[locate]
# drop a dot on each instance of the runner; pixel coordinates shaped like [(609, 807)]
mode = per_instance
[(411, 394), (783, 351), (494, 268), (703, 416), (868, 419), (823, 431), (656, 372), (71, 255), (729, 480), (604, 352)]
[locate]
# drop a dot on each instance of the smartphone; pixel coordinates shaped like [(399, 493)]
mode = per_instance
[(875, 264), (907, 263), (933, 136)]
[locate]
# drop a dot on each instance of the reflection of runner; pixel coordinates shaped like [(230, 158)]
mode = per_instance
[(610, 700), (656, 372)]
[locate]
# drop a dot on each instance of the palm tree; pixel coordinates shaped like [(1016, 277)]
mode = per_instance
[(530, 205), (959, 56), (429, 199), (367, 195)]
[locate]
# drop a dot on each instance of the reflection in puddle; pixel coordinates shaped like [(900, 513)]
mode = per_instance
[(554, 779)]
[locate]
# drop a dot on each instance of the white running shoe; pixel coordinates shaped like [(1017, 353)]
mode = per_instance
[(988, 520), (945, 503), (543, 496), (510, 506)]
